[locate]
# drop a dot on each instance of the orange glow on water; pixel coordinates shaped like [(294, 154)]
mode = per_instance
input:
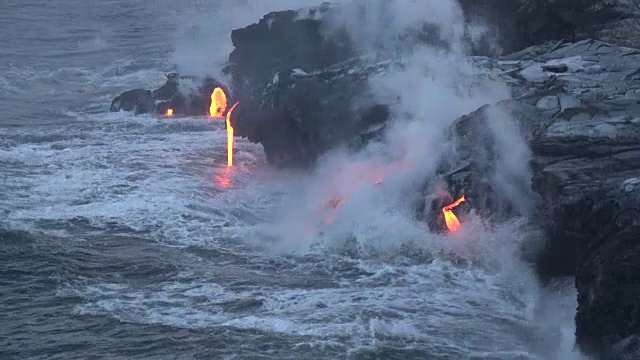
[(223, 179)]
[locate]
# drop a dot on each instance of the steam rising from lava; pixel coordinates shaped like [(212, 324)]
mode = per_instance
[(435, 86)]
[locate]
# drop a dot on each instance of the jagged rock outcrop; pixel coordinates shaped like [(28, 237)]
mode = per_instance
[(615, 21), (302, 115), (297, 42), (282, 41), (304, 89), (576, 103), (578, 107), (517, 24), (607, 278)]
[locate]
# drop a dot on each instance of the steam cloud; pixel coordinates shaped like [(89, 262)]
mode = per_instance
[(435, 87)]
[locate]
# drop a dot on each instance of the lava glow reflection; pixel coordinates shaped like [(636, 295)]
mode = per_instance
[(223, 179), (218, 103), (453, 224)]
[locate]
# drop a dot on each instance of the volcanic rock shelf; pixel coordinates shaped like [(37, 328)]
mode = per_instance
[(576, 101), (302, 115), (578, 105)]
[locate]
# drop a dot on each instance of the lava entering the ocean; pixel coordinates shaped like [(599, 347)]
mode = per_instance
[(230, 135), (453, 224), (218, 103)]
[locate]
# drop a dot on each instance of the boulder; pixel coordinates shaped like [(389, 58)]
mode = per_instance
[(137, 100)]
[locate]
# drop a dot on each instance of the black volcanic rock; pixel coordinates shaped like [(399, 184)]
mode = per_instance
[(576, 103), (302, 115), (608, 276), (304, 89), (137, 100), (284, 40), (615, 21), (290, 42), (583, 128), (518, 24)]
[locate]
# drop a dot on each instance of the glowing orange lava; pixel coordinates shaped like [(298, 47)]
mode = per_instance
[(230, 136), (449, 217), (169, 112), (218, 103)]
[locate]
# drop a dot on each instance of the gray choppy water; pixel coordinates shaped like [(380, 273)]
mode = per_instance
[(127, 237)]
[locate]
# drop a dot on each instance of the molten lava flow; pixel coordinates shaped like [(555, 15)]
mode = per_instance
[(218, 103), (230, 136), (449, 217), (169, 112)]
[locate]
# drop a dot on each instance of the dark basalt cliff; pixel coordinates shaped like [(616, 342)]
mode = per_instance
[(577, 105), (576, 102)]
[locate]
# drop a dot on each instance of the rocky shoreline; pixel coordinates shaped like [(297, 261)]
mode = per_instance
[(576, 101), (573, 70)]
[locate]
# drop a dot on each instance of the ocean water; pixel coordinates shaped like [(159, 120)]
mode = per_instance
[(127, 236)]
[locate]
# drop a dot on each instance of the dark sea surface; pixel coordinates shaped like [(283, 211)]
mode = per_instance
[(127, 237)]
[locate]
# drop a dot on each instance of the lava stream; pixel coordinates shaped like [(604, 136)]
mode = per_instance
[(230, 136), (453, 224)]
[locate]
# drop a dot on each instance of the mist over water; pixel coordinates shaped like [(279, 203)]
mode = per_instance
[(140, 242), (435, 86)]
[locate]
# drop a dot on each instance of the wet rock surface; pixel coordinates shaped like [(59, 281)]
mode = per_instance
[(302, 115), (583, 127), (577, 107), (576, 103), (607, 277), (613, 21), (282, 41)]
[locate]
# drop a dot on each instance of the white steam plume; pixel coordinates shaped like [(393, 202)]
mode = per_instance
[(436, 86), (427, 95)]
